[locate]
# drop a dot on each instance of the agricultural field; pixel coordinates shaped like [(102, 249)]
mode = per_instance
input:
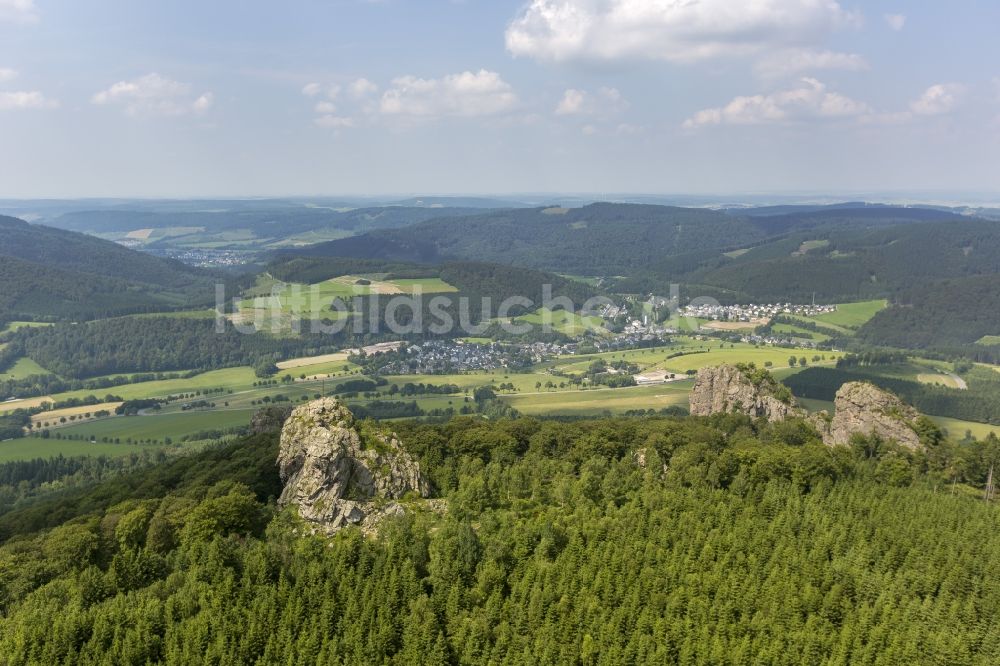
[(795, 331), (699, 355), (601, 400), (564, 321), (851, 315), (160, 426), (53, 417), (273, 304), (28, 448), (308, 361)]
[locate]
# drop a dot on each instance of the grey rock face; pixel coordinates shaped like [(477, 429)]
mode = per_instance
[(269, 419), (861, 408), (866, 409), (727, 389), (337, 477)]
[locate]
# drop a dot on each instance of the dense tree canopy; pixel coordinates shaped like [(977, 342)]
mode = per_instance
[(616, 541)]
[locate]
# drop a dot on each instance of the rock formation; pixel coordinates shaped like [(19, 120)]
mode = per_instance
[(863, 408), (743, 390), (338, 474), (269, 419), (860, 407)]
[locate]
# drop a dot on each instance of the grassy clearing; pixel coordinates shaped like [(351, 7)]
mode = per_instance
[(15, 325), (957, 429), (736, 253), (795, 331), (989, 340), (180, 314), (563, 321), (592, 281), (24, 367), (808, 320), (935, 378), (810, 245), (852, 315)]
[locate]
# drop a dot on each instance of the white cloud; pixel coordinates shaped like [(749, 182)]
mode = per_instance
[(788, 62), (362, 88), (7, 74), (18, 11), (331, 121), (153, 94), (895, 21), (25, 100), (325, 107), (810, 101), (579, 102), (468, 94), (203, 103), (938, 99), (672, 30), (572, 102), (315, 89)]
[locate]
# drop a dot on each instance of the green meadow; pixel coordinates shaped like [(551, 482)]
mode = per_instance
[(852, 315)]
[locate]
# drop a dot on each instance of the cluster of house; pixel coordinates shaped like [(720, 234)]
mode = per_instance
[(450, 357), (753, 312)]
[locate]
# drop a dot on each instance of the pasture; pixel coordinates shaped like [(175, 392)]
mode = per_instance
[(851, 315), (24, 367), (564, 321), (600, 400), (158, 427), (28, 448)]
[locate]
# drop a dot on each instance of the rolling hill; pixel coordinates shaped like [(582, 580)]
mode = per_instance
[(55, 273), (599, 239), (234, 227), (843, 265)]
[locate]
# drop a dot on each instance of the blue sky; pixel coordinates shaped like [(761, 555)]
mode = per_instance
[(254, 98)]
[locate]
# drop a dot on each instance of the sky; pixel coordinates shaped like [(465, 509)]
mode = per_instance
[(183, 98)]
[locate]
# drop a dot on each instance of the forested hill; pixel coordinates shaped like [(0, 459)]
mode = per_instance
[(849, 264), (629, 239), (280, 222), (618, 541), (599, 239), (55, 273), (945, 314)]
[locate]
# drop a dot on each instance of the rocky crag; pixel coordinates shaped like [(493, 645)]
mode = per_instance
[(860, 408), (744, 390), (338, 473)]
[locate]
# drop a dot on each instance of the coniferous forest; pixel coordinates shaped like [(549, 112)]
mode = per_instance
[(661, 540)]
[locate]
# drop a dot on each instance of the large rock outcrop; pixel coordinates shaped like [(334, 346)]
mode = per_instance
[(338, 474), (744, 390), (862, 408)]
